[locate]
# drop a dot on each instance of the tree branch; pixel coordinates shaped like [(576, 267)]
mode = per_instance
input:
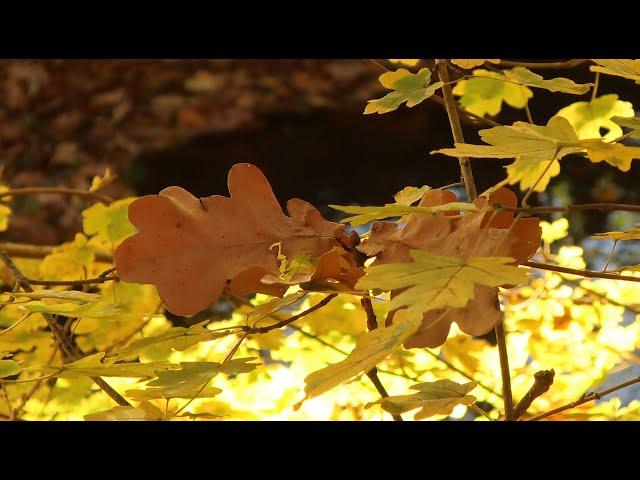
[(541, 383), (581, 273), (586, 398)]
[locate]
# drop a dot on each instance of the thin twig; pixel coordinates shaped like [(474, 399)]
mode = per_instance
[(59, 190), (21, 250), (565, 65), (284, 323), (372, 324), (581, 273), (585, 398), (604, 207)]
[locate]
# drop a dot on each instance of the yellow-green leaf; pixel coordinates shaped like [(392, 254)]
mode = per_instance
[(554, 231), (68, 261), (533, 146), (525, 76), (369, 214), (409, 88), (621, 68), (8, 368), (433, 398), (176, 338), (587, 118), (371, 348), (486, 90), (110, 222), (433, 281)]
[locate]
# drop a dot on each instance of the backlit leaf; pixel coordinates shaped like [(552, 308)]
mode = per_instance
[(468, 63), (616, 154), (369, 214), (9, 368), (109, 222)]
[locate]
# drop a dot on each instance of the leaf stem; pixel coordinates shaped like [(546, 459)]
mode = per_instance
[(581, 273)]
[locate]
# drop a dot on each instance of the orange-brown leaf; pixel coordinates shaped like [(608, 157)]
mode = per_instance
[(188, 248)]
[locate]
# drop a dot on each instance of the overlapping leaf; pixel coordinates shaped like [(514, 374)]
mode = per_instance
[(632, 123), (433, 282), (189, 248), (432, 398), (190, 380), (409, 88), (369, 214), (471, 235), (109, 222)]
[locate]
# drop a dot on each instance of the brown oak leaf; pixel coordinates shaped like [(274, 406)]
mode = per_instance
[(477, 234), (189, 247)]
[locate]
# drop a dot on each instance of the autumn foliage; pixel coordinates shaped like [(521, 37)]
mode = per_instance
[(443, 302)]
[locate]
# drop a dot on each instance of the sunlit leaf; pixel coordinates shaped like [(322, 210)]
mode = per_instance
[(369, 214), (176, 338)]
